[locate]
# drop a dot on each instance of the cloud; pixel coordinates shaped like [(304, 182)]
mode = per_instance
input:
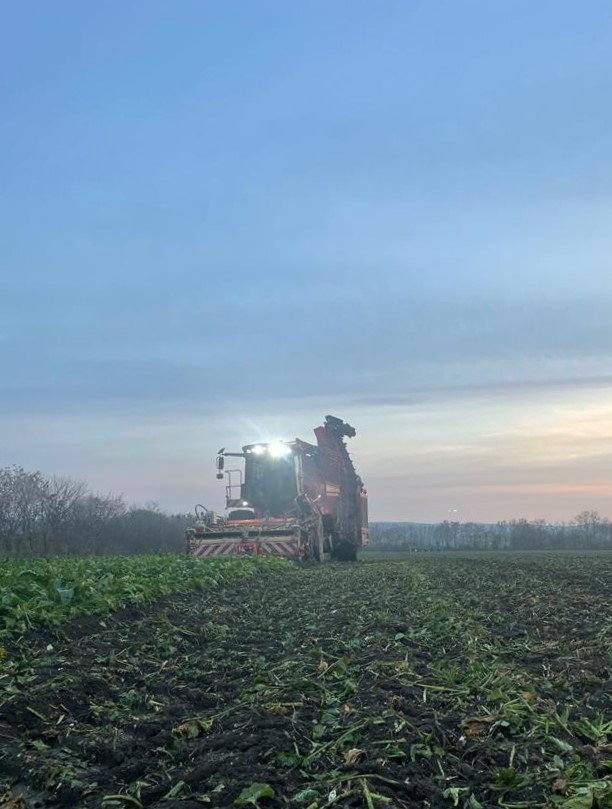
[(544, 453), (370, 350)]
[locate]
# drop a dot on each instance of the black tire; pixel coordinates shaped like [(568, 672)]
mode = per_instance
[(344, 551)]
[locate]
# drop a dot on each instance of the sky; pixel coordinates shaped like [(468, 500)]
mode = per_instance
[(221, 221)]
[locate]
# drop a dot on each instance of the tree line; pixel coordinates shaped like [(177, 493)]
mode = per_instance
[(41, 516), (588, 530)]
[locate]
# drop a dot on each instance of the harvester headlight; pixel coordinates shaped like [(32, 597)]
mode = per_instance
[(258, 449), (278, 450)]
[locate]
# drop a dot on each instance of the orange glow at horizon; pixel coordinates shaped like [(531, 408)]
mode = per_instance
[(543, 454)]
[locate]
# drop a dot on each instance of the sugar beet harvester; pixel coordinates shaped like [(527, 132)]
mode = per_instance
[(288, 498)]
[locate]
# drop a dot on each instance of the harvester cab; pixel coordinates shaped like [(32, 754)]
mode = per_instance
[(288, 498)]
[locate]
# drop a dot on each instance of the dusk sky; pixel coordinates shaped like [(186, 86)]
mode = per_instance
[(221, 221)]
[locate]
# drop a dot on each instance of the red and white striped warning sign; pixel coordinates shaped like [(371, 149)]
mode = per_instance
[(206, 547)]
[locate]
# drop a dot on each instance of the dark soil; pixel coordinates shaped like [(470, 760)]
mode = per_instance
[(430, 681)]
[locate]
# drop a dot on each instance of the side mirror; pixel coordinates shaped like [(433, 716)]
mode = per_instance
[(220, 464)]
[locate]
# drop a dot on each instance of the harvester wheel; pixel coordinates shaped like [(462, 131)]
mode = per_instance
[(343, 550)]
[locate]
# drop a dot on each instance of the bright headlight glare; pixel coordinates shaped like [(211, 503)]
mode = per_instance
[(258, 449), (278, 450)]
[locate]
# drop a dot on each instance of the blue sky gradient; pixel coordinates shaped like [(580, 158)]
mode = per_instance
[(221, 221)]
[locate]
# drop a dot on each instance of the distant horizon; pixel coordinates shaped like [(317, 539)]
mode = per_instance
[(477, 522)]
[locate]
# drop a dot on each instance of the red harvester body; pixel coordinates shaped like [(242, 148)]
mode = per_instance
[(291, 499)]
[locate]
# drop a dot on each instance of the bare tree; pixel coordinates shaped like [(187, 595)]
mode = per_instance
[(58, 515)]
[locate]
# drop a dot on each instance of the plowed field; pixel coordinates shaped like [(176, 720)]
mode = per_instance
[(429, 681)]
